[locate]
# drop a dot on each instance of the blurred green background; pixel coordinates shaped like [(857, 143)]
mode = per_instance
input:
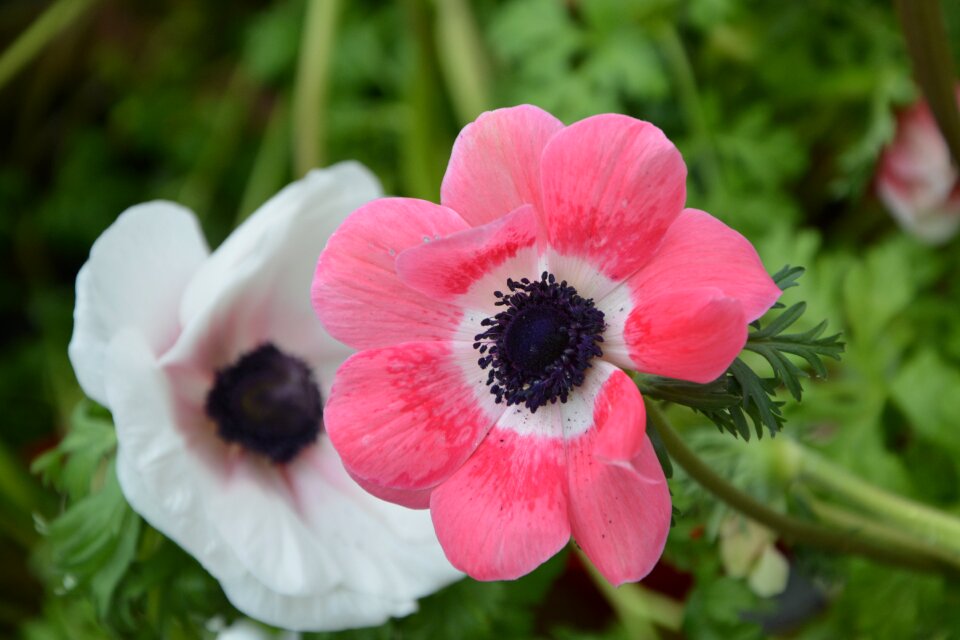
[(780, 109)]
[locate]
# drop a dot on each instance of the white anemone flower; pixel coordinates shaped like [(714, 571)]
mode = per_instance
[(214, 367), (247, 630)]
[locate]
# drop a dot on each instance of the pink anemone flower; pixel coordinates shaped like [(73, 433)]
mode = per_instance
[(917, 180), (215, 371), (494, 327)]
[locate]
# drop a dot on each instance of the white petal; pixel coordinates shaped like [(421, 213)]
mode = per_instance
[(933, 223), (256, 286), (331, 611), (383, 549), (232, 516), (178, 494), (161, 478), (326, 556), (292, 227), (254, 513), (136, 274), (249, 630)]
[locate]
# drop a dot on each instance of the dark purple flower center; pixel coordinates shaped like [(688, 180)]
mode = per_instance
[(268, 402), (539, 347)]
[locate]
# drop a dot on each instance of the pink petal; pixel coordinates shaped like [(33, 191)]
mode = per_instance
[(619, 514), (495, 164), (916, 180), (700, 251), (477, 261), (356, 291), (407, 417), (690, 334), (619, 418), (612, 185), (410, 498), (505, 511)]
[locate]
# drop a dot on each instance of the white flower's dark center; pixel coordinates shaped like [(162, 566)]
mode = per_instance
[(540, 346), (268, 402)]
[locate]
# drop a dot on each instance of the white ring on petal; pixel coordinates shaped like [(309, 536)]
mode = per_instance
[(545, 423), (580, 274)]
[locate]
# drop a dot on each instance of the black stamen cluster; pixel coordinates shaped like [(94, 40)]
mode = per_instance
[(268, 402), (540, 346)]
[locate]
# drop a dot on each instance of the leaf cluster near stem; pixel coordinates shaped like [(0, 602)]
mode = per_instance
[(740, 397), (100, 554)]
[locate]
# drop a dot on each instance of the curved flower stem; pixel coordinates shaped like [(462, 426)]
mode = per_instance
[(843, 540), (851, 521), (637, 607), (934, 527)]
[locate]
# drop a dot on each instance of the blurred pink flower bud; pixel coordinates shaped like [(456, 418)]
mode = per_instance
[(916, 179)]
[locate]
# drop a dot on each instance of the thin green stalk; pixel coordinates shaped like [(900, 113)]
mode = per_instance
[(788, 527), (45, 29), (936, 528), (462, 58), (310, 91), (675, 55), (219, 146), (850, 521), (420, 168), (637, 607), (926, 35), (271, 166), (20, 497)]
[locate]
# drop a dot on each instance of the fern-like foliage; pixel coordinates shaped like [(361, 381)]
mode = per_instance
[(740, 397)]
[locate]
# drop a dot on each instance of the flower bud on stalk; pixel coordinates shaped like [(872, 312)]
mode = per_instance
[(917, 181)]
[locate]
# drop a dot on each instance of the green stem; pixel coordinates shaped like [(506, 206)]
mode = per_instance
[(271, 166), (845, 519), (310, 91), (637, 607), (936, 528), (44, 29), (926, 35), (462, 59), (219, 146), (420, 166), (20, 498), (788, 527), (675, 55)]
